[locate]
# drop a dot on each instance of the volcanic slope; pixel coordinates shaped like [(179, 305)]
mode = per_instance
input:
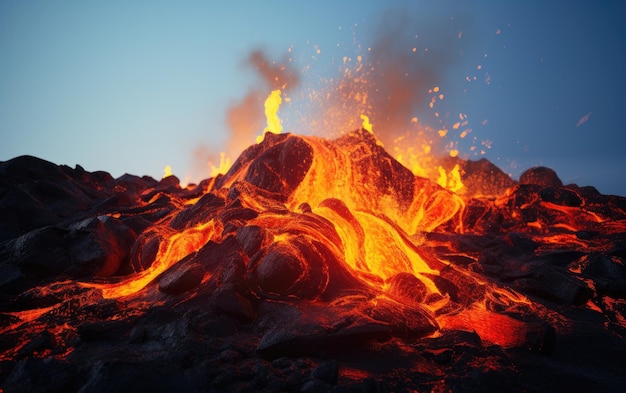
[(312, 265)]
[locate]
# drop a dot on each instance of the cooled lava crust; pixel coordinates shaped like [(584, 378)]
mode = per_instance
[(313, 265)]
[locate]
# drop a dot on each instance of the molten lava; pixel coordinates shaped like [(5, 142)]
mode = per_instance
[(308, 246), (274, 124), (341, 215)]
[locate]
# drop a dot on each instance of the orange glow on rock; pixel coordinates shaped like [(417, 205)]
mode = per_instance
[(173, 248), (492, 327)]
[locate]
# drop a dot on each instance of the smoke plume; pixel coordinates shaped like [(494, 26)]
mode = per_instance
[(390, 81), (245, 118)]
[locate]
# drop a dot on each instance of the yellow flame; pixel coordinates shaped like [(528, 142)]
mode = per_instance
[(272, 104), (223, 166), (366, 124), (167, 171), (450, 180)]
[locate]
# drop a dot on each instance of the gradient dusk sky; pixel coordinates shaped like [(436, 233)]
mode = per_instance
[(133, 86)]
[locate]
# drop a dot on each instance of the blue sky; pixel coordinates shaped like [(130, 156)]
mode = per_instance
[(132, 86)]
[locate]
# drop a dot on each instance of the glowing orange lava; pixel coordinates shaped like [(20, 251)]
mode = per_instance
[(173, 248)]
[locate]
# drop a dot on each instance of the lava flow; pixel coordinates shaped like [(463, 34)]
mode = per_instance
[(310, 264)]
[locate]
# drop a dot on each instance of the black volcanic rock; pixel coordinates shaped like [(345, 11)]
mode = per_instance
[(281, 167), (95, 247), (540, 176), (560, 196), (181, 279), (480, 178), (311, 265)]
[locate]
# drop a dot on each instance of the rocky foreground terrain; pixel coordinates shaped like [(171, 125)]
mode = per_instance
[(313, 265)]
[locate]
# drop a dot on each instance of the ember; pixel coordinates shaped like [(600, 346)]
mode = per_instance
[(313, 265)]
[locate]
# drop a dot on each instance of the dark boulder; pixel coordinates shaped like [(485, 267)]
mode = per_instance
[(541, 176), (181, 279)]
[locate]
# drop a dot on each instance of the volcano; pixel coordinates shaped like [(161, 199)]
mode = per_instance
[(312, 265)]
